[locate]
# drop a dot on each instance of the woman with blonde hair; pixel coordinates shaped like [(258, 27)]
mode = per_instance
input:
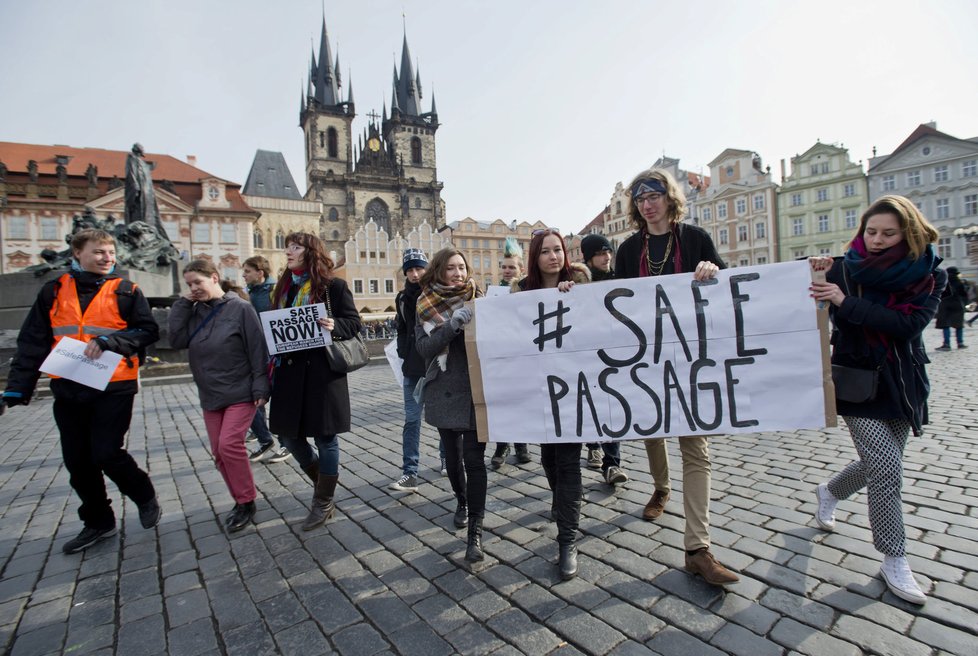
[(446, 286), (663, 245), (308, 398), (883, 293)]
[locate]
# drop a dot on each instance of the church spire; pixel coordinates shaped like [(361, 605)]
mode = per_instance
[(325, 77), (406, 83)]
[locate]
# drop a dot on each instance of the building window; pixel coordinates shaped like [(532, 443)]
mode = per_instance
[(485, 243), (942, 208), (822, 195), (202, 232), (849, 189), (795, 200), (971, 205), (256, 239), (707, 214), (322, 139), (335, 235), (851, 219), (49, 229), (357, 286), (17, 227), (825, 251), (172, 229), (823, 222), (744, 261), (741, 206), (814, 169), (741, 233), (722, 211), (760, 230), (415, 150), (229, 233), (824, 167), (758, 201), (374, 286), (723, 237), (417, 202), (378, 212), (388, 286), (940, 173), (797, 227), (761, 259), (799, 253), (334, 215), (889, 182), (618, 206), (476, 262), (969, 169), (944, 247), (332, 149), (913, 178), (280, 240)]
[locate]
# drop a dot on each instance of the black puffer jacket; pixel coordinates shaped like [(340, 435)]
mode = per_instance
[(406, 305), (903, 384)]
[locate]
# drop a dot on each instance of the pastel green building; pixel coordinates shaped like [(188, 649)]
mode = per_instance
[(820, 203)]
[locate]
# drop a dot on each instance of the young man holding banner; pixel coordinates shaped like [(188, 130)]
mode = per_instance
[(661, 246), (91, 304)]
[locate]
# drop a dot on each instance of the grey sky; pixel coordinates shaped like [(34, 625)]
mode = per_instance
[(544, 105)]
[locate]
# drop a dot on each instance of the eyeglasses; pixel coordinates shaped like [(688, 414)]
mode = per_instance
[(647, 198), (293, 248), (546, 231)]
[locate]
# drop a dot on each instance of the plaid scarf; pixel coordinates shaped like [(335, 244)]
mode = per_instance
[(437, 303), (891, 279)]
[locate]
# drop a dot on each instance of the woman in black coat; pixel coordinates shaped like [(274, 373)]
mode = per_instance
[(951, 312), (308, 398), (883, 293)]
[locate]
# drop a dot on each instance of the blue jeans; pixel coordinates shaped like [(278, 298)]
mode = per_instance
[(411, 434), (958, 334), (259, 426), (328, 447)]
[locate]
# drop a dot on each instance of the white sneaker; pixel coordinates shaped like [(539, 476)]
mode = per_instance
[(899, 579), (825, 513)]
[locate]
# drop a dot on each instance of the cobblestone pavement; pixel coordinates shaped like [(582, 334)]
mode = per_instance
[(386, 575)]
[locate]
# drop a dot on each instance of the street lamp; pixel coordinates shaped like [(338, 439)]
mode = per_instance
[(970, 233)]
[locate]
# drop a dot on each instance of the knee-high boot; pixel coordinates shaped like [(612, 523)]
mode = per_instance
[(568, 511), (322, 502), (312, 471), (473, 553)]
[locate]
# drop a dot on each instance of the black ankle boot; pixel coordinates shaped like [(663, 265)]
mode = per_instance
[(568, 561), (461, 518), (474, 553)]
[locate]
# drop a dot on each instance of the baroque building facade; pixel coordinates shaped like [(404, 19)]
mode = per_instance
[(739, 209), (820, 202), (43, 187), (388, 174), (483, 243), (939, 173)]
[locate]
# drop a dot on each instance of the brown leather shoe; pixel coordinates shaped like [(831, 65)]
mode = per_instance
[(656, 505), (703, 563)]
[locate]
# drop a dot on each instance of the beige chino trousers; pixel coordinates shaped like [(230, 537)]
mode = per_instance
[(695, 452)]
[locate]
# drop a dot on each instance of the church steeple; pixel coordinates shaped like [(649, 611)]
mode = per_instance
[(406, 84), (325, 78)]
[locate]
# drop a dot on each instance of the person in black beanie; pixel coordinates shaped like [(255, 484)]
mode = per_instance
[(597, 253), (405, 303)]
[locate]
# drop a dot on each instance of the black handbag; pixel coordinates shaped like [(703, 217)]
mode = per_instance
[(855, 385), (345, 355)]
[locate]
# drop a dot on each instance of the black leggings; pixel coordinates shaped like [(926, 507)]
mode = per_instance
[(465, 460)]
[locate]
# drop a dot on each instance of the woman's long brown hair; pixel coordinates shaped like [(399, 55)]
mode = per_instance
[(317, 264)]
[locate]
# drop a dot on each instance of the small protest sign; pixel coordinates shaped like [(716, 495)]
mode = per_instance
[(652, 357), (395, 361), (68, 360), (294, 328)]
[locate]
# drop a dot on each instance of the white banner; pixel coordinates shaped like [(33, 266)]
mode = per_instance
[(395, 361), (294, 328), (68, 360), (652, 357)]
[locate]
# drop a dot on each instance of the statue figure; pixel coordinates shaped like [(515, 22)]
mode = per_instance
[(3, 171), (140, 196), (91, 173), (32, 170), (62, 172)]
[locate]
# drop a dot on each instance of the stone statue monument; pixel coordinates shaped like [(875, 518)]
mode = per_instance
[(140, 196)]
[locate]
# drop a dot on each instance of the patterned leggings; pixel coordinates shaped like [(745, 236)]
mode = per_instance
[(879, 443)]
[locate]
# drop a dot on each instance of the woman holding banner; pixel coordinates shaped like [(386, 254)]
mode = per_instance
[(447, 395), (308, 398), (548, 268), (663, 245), (228, 358), (883, 293)]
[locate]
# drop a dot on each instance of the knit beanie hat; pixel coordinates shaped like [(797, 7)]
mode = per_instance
[(594, 244), (414, 257)]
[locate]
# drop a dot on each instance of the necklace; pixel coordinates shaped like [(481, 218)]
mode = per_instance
[(655, 268)]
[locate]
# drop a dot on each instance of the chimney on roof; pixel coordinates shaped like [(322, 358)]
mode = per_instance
[(192, 160), (783, 170)]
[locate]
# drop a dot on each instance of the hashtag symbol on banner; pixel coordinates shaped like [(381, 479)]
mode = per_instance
[(556, 335)]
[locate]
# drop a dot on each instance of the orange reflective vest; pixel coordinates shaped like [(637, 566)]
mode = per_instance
[(101, 317)]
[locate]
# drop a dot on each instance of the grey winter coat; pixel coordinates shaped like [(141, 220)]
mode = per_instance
[(447, 394), (228, 357)]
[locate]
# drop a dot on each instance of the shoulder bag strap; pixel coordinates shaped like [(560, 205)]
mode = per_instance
[(207, 319)]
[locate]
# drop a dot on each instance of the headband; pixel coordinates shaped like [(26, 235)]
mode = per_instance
[(647, 185)]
